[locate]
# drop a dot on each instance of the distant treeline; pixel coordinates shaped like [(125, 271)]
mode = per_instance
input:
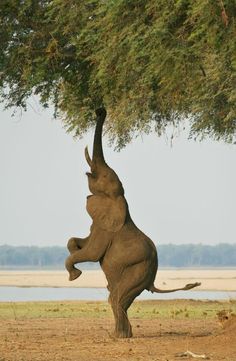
[(199, 255), (170, 255)]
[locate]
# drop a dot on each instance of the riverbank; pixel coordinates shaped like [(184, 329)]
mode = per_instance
[(211, 280)]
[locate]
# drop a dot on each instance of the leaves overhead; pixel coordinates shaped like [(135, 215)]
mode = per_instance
[(150, 63)]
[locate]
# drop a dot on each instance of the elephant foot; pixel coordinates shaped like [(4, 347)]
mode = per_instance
[(124, 334), (124, 330), (75, 273)]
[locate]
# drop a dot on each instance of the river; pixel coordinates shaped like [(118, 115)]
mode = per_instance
[(17, 294)]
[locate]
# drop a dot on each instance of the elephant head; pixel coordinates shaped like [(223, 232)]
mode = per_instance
[(106, 205)]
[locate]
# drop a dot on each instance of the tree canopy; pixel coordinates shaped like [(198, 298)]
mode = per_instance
[(149, 63)]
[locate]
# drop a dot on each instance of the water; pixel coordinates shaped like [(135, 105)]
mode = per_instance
[(16, 294)]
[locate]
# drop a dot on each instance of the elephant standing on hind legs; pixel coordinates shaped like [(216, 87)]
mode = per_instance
[(126, 255)]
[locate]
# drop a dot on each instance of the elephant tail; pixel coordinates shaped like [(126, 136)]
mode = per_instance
[(187, 287)]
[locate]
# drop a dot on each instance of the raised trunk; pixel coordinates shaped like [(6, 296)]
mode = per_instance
[(97, 143)]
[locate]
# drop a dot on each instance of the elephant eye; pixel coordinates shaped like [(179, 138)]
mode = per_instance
[(91, 175)]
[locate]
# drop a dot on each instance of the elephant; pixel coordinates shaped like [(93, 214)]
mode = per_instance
[(126, 255)]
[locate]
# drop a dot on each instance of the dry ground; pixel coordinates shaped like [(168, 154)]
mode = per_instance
[(157, 336)]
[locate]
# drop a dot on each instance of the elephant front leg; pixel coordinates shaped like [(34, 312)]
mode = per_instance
[(73, 271), (89, 253), (74, 244)]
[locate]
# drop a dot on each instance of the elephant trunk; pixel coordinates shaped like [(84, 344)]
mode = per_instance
[(97, 143)]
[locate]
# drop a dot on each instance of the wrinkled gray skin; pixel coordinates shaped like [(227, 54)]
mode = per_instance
[(126, 255)]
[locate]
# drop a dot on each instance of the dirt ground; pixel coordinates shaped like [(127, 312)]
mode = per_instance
[(90, 339)]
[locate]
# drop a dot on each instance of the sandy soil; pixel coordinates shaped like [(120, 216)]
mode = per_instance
[(212, 280), (83, 339)]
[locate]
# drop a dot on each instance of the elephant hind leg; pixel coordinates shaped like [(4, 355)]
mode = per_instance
[(120, 306), (131, 284)]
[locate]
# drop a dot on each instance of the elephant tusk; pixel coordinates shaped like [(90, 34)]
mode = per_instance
[(87, 156)]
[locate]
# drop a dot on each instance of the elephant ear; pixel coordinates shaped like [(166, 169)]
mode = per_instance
[(109, 214)]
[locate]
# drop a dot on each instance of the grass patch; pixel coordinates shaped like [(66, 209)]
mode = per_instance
[(64, 309), (180, 309), (175, 309)]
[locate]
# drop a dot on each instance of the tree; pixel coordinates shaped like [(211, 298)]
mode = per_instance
[(149, 63)]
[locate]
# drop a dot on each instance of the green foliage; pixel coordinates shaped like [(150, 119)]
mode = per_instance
[(170, 255), (150, 63)]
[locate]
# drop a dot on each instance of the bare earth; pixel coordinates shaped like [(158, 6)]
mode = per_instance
[(212, 280), (87, 339), (90, 338)]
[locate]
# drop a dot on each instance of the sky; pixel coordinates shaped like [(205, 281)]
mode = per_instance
[(184, 193)]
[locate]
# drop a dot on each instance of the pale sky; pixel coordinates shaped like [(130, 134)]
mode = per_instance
[(180, 194)]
